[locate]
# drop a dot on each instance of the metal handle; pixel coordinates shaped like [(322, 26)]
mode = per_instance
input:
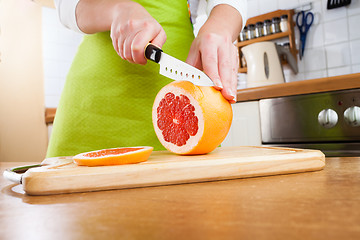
[(15, 174), (153, 53)]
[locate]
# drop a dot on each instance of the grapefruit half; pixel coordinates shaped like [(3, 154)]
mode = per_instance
[(190, 119), (113, 156)]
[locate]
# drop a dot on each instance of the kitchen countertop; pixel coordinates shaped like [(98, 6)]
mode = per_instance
[(314, 205), (327, 84)]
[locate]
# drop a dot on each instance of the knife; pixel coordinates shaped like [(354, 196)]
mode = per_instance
[(175, 69)]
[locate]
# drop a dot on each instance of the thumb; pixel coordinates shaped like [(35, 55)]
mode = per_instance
[(159, 39)]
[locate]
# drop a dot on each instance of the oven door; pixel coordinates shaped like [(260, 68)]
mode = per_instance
[(326, 121)]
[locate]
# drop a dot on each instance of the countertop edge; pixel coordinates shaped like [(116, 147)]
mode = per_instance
[(349, 81)]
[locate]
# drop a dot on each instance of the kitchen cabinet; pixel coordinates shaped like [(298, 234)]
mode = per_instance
[(22, 126), (289, 34), (245, 127)]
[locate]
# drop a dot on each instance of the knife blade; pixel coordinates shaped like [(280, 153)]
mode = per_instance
[(176, 69)]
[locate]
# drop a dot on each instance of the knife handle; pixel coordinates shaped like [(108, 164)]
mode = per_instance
[(153, 53)]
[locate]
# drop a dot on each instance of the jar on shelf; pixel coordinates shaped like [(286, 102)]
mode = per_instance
[(275, 25), (243, 34), (267, 27), (284, 23), (259, 29), (251, 31)]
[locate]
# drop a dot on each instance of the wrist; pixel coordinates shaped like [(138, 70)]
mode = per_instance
[(223, 20), (122, 9)]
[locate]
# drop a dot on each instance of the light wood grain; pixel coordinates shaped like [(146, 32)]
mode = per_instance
[(50, 115), (164, 168), (336, 83), (320, 205)]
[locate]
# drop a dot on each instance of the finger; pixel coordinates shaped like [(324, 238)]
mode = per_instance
[(127, 49), (114, 37), (137, 49), (142, 38), (209, 60), (120, 43), (225, 73), (228, 71), (127, 32), (160, 38), (235, 70), (194, 57)]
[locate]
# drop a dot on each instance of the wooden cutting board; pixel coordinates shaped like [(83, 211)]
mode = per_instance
[(61, 175)]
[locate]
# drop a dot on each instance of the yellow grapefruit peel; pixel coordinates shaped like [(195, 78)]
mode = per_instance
[(212, 111)]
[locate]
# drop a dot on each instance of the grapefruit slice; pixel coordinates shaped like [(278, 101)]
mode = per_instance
[(113, 156), (191, 119)]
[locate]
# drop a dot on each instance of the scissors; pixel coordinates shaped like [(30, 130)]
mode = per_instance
[(303, 22)]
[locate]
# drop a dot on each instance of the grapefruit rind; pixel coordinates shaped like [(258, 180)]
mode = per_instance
[(141, 154), (208, 102)]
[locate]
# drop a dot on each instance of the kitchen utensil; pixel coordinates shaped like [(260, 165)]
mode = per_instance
[(303, 22), (263, 64), (62, 175), (175, 69), (284, 53), (331, 4)]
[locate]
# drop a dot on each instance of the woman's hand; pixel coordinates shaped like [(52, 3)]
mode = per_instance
[(132, 31), (213, 50), (217, 56), (131, 26)]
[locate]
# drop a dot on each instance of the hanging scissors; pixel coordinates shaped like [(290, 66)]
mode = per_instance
[(303, 22)]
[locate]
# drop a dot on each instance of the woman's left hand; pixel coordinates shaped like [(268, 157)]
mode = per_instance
[(213, 50), (217, 56)]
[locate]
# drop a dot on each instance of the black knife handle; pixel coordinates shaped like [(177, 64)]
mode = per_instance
[(153, 53)]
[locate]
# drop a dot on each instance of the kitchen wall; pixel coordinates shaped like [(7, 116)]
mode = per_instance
[(333, 41), (23, 135), (59, 48)]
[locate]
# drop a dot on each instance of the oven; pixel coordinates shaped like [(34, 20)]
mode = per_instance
[(329, 122)]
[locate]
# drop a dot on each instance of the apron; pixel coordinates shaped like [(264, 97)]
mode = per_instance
[(106, 101)]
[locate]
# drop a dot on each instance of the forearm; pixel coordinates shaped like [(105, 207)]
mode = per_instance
[(225, 20), (97, 15)]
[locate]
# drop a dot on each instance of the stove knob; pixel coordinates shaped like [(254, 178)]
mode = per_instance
[(328, 118), (352, 116)]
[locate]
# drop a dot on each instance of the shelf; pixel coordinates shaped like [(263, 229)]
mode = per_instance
[(264, 38), (242, 70), (261, 18)]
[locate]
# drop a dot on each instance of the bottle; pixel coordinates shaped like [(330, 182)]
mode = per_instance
[(267, 27), (275, 26), (251, 31), (243, 34), (259, 29), (284, 23)]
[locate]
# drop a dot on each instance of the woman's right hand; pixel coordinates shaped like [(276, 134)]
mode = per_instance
[(132, 30)]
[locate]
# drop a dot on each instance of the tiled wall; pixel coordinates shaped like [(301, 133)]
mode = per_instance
[(333, 41), (332, 47), (59, 48)]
